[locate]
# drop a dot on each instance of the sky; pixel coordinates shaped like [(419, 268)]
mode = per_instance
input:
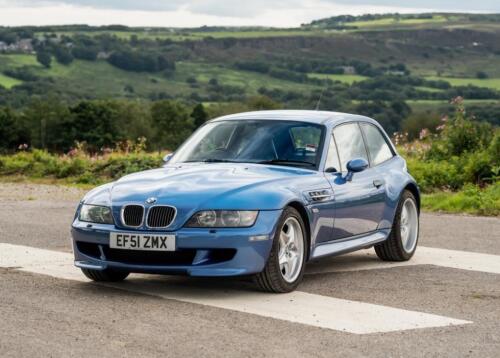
[(194, 13)]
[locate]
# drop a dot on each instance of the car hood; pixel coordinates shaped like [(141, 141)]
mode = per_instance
[(195, 187)]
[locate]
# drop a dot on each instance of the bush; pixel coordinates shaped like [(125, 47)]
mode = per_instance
[(140, 62), (88, 53), (461, 135), (63, 55), (80, 168), (44, 58), (481, 75), (436, 175)]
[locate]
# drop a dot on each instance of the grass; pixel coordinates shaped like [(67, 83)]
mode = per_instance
[(428, 89), (470, 200), (100, 79), (79, 169), (394, 21), (18, 60), (461, 81), (251, 81), (350, 79), (8, 82), (84, 171), (193, 35)]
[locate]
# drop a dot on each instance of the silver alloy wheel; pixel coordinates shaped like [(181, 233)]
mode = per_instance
[(409, 225), (291, 250)]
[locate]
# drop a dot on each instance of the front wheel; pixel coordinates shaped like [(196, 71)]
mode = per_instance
[(285, 266), (105, 275), (402, 241)]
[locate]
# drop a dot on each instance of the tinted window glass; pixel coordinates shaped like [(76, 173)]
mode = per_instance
[(377, 146), (349, 143), (332, 159)]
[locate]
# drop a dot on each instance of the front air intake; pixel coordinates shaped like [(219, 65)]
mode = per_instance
[(160, 216), (133, 215)]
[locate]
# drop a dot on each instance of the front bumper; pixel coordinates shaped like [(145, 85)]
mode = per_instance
[(199, 252)]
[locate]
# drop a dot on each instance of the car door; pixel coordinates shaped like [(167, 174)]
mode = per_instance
[(359, 203)]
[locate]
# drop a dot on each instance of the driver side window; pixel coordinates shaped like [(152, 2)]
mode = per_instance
[(350, 143), (332, 158)]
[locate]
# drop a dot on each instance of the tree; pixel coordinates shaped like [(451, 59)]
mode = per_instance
[(140, 62), (9, 129), (481, 75), (199, 115), (63, 55), (259, 103), (98, 123), (171, 123), (83, 52), (44, 58), (48, 121)]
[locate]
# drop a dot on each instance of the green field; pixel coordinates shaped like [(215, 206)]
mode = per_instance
[(460, 81), (350, 79), (16, 60), (8, 82), (101, 79), (387, 22), (428, 89), (187, 35)]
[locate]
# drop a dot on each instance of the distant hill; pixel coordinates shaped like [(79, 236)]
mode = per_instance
[(422, 60)]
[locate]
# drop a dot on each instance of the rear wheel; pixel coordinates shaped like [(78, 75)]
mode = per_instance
[(285, 266), (105, 275), (402, 241)]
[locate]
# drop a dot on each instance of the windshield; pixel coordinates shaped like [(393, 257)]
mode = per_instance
[(255, 141)]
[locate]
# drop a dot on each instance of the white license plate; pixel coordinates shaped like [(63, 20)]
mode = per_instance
[(143, 242)]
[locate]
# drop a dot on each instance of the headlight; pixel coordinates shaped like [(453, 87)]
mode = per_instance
[(223, 218), (96, 214)]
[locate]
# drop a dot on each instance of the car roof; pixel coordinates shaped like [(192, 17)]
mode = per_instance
[(317, 117)]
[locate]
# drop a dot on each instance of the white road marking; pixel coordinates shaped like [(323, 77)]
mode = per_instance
[(300, 307), (368, 260)]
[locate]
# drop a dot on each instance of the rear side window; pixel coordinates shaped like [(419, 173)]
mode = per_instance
[(377, 145), (349, 143)]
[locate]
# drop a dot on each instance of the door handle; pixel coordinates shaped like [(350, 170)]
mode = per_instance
[(377, 183)]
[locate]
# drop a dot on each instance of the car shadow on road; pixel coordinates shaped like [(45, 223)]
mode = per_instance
[(207, 288)]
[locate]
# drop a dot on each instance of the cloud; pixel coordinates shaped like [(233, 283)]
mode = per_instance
[(252, 8), (444, 5), (192, 13)]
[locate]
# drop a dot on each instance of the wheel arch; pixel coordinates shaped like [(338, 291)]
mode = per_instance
[(413, 188), (305, 218)]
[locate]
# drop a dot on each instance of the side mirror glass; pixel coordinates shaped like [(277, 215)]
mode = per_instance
[(167, 158), (356, 166)]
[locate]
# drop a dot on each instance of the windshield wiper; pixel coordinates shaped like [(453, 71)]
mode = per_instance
[(287, 162)]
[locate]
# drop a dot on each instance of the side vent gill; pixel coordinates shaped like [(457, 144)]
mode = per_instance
[(319, 195)]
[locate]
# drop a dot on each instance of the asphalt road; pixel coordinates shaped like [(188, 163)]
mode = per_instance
[(45, 314)]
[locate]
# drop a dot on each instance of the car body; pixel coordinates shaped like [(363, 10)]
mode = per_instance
[(345, 202)]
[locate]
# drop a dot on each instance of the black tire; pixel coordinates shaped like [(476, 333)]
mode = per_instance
[(392, 249), (271, 279), (106, 275)]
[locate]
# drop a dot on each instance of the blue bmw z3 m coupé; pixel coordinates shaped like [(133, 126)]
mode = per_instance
[(254, 194)]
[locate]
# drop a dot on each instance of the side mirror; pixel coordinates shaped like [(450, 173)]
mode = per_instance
[(167, 158), (356, 166)]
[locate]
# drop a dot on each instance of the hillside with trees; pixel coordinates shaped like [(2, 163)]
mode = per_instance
[(99, 88)]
